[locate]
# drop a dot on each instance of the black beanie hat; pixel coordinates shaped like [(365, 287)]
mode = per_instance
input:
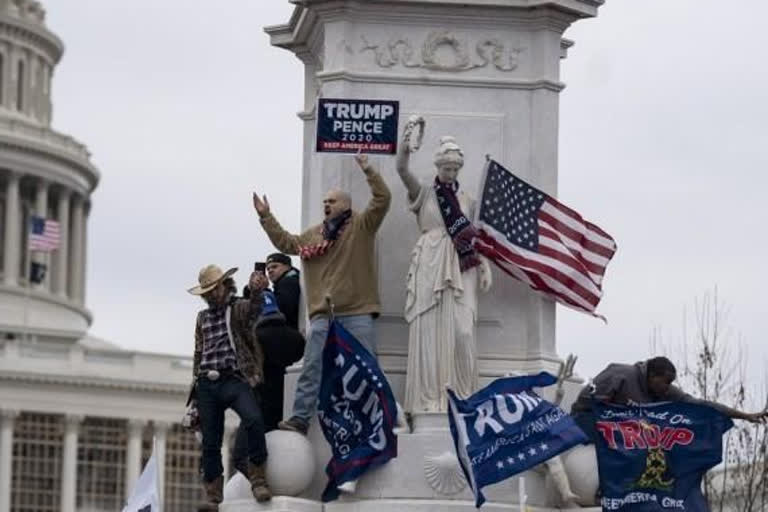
[(279, 257)]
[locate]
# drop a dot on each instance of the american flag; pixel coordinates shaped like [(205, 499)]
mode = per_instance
[(534, 238), (44, 234)]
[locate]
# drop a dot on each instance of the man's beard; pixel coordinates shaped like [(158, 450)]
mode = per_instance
[(216, 302)]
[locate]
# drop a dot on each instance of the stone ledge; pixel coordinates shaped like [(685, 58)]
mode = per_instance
[(276, 504)]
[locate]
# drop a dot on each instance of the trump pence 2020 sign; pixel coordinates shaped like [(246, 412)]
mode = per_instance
[(349, 126)]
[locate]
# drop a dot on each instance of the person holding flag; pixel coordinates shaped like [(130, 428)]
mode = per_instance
[(641, 383)]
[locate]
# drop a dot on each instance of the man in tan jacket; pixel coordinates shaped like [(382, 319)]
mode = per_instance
[(339, 263)]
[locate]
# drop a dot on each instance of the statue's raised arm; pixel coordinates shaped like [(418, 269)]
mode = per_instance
[(411, 140)]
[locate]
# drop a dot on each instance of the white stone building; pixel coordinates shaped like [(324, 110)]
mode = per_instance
[(77, 414)]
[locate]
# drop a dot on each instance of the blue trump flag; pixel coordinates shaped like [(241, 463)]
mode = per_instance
[(356, 408), (506, 428), (652, 457)]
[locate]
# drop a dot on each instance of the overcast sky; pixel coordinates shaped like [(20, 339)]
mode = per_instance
[(186, 108)]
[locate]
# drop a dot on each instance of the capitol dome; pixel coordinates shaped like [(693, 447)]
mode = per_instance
[(78, 415), (43, 173)]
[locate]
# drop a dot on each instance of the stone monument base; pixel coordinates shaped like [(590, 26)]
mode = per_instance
[(425, 476)]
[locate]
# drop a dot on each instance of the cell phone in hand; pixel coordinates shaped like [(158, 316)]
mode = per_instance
[(260, 266)]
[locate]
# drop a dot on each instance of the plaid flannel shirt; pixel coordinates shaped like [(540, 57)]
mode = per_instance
[(218, 353), (242, 320)]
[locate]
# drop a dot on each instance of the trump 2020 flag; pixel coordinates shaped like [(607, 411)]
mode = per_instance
[(652, 457), (506, 428), (356, 408), (146, 497)]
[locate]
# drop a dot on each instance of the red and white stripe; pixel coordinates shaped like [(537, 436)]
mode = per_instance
[(570, 262), (48, 240)]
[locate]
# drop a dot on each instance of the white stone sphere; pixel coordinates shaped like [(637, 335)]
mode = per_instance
[(580, 464), (290, 467), (291, 462), (238, 488)]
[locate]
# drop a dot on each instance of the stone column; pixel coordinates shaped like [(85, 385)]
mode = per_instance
[(84, 251), (7, 419), (69, 463), (41, 210), (133, 454), (12, 234), (32, 86), (161, 437), (6, 71), (76, 249), (62, 255)]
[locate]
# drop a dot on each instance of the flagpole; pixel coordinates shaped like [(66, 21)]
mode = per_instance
[(160, 490), (27, 275), (481, 187)]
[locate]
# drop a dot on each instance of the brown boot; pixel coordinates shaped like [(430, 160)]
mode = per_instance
[(257, 475), (214, 490)]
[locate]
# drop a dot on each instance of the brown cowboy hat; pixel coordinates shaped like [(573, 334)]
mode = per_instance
[(210, 276)]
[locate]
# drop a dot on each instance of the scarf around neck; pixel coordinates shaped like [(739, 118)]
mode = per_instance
[(460, 229), (332, 230)]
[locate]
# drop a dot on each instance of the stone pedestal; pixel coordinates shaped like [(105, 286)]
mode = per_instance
[(425, 471), (487, 72)]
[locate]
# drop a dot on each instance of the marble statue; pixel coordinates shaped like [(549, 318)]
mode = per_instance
[(444, 274)]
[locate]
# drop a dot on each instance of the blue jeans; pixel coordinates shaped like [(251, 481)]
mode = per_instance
[(213, 398), (308, 386)]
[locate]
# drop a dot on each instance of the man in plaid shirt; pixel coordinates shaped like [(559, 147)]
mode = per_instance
[(227, 366)]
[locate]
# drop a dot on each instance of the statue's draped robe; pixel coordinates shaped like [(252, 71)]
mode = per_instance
[(441, 305)]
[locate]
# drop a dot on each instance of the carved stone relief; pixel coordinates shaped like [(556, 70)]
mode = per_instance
[(444, 474), (443, 50)]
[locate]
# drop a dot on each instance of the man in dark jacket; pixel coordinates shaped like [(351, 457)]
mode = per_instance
[(643, 382), (282, 345), (285, 282)]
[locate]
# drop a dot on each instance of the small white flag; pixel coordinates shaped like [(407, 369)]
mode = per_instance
[(145, 497)]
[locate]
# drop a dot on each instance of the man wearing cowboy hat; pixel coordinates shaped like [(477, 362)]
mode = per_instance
[(227, 365), (339, 264)]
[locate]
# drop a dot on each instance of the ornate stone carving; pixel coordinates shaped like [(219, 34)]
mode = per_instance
[(444, 474), (497, 54), (397, 51), (431, 56), (400, 51)]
